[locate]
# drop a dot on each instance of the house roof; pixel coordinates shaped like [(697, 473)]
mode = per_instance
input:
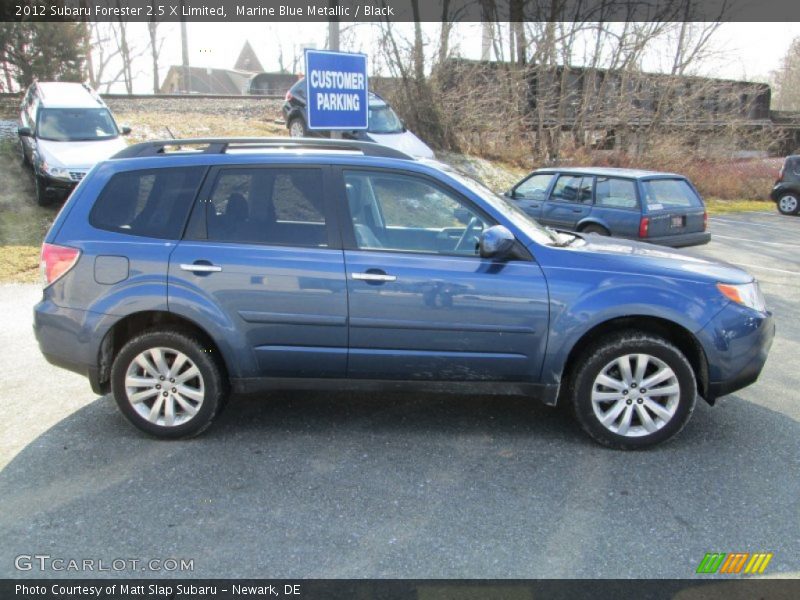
[(248, 61), (204, 80)]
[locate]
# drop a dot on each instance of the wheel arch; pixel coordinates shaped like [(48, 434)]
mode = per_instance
[(680, 337), (592, 221), (130, 325)]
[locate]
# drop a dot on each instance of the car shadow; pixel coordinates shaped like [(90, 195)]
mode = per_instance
[(402, 485)]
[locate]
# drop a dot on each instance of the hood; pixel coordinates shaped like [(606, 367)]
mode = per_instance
[(405, 142), (614, 254), (78, 155)]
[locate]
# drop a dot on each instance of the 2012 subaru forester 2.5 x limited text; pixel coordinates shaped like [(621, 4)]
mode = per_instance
[(173, 278)]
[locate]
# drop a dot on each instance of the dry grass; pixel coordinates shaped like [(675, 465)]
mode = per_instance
[(19, 264), (717, 206), (158, 125)]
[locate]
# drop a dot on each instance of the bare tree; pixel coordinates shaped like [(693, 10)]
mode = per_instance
[(786, 79), (156, 44)]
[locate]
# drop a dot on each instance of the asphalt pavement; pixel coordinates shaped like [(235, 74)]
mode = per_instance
[(317, 485)]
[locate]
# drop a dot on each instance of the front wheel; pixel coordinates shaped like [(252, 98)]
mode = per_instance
[(40, 187), (168, 383), (297, 128), (788, 204), (633, 391)]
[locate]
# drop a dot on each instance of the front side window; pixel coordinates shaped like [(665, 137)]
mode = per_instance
[(662, 194), (76, 124), (282, 206), (611, 192), (535, 187), (150, 203), (407, 213), (572, 188)]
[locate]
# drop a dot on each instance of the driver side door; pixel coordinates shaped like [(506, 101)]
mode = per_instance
[(423, 304)]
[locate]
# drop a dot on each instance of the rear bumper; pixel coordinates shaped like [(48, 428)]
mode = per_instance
[(681, 240), (737, 342), (70, 338)]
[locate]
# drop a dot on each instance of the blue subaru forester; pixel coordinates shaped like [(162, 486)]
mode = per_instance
[(181, 271)]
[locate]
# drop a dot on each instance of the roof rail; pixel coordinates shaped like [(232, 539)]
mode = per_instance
[(222, 145)]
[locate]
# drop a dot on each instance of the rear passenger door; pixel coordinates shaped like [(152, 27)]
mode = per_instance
[(570, 201), (261, 257)]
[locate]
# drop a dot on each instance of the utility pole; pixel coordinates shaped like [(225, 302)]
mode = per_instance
[(184, 53), (333, 43)]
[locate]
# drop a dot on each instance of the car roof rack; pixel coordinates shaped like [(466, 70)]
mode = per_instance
[(222, 145)]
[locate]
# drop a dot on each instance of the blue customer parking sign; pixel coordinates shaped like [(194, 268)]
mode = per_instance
[(336, 90)]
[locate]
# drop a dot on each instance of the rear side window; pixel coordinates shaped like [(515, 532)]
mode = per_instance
[(660, 194), (268, 206), (611, 192), (572, 188), (151, 203)]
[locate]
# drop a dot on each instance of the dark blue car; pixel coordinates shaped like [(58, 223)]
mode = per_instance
[(660, 208), (175, 278)]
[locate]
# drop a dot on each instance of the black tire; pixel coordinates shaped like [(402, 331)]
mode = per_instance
[(598, 357), (789, 204), (40, 188), (598, 229), (296, 125), (23, 158), (206, 361)]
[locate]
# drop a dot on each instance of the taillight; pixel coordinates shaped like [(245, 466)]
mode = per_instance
[(644, 225), (56, 261), (288, 95), (705, 220)]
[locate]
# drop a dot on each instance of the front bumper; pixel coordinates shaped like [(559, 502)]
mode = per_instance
[(681, 240), (737, 342)]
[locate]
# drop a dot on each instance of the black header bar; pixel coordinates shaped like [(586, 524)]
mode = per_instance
[(367, 11)]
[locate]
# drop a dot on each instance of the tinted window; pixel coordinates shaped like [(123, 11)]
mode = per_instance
[(615, 193), (400, 212), (669, 193), (573, 188), (268, 206), (382, 119), (534, 187), (152, 203)]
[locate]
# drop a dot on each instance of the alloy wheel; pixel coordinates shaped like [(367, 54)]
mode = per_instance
[(635, 395), (164, 386)]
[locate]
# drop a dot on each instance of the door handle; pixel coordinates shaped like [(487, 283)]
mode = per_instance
[(577, 210), (201, 268), (374, 277)]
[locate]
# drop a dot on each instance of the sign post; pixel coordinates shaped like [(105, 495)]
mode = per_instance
[(337, 90)]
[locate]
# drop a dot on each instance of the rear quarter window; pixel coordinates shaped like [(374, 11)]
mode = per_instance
[(664, 194), (149, 203)]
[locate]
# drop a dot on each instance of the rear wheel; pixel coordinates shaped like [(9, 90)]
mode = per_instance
[(788, 204), (168, 384), (598, 229), (297, 128), (633, 391)]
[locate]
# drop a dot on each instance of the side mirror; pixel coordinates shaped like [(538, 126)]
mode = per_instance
[(24, 132), (403, 127), (509, 194), (496, 242), (125, 130)]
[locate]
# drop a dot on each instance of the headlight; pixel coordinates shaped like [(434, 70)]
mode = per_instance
[(59, 172), (746, 294)]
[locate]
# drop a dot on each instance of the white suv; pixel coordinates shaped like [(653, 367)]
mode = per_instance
[(64, 129)]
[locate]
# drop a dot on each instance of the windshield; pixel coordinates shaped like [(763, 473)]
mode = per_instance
[(382, 119), (76, 124), (513, 213)]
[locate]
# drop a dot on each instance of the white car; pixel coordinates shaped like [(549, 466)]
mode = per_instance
[(384, 126), (64, 130)]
